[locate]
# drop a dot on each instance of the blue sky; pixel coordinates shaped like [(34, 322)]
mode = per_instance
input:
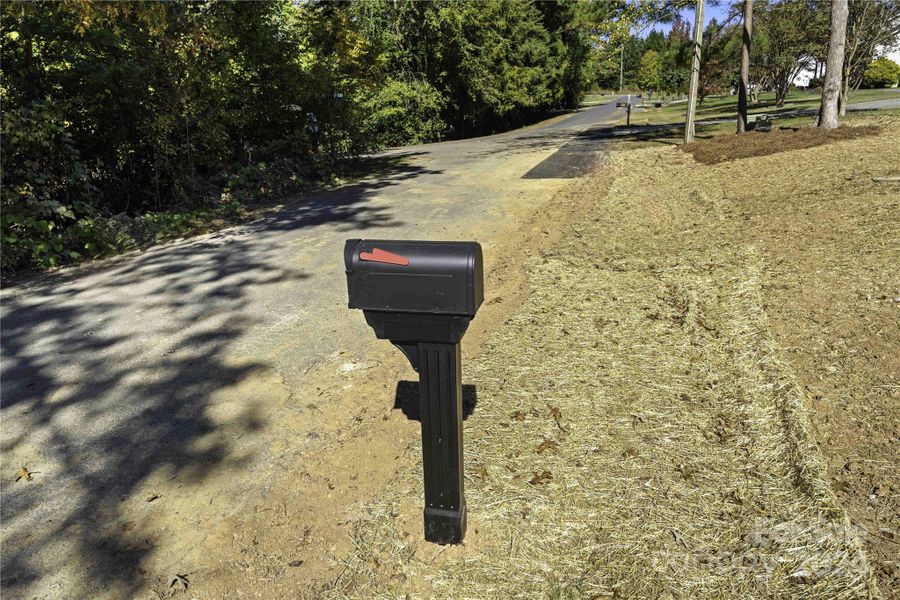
[(709, 13)]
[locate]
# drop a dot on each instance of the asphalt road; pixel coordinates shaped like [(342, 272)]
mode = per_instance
[(108, 371)]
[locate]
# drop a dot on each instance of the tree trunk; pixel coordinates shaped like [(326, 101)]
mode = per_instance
[(745, 66), (782, 85), (834, 66)]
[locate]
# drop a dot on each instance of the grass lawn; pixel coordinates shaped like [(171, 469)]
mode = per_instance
[(726, 106), (595, 99), (675, 134)]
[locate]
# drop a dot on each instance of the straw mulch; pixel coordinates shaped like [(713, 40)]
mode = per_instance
[(638, 433)]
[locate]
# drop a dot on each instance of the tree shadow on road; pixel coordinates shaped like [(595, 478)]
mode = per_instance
[(110, 375)]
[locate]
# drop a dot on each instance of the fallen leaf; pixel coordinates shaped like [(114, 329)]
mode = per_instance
[(152, 497), (481, 471), (295, 563), (547, 444), (542, 478), (179, 582), (517, 416), (557, 416)]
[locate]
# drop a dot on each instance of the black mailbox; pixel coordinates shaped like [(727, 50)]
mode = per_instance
[(421, 296)]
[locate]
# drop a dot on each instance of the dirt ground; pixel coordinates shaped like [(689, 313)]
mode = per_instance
[(296, 537), (696, 279), (832, 292), (830, 234)]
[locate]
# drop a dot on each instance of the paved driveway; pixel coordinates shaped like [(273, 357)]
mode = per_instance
[(115, 374)]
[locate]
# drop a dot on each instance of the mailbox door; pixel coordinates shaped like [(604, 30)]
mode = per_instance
[(415, 276)]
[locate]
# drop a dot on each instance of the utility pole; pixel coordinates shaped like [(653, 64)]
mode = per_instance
[(695, 73), (745, 66), (621, 68)]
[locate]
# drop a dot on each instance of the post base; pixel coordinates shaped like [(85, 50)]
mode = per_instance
[(443, 526)]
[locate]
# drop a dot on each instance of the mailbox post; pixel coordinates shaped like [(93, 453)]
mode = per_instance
[(421, 296)]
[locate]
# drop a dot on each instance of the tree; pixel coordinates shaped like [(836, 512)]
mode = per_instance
[(673, 79), (746, 39), (717, 72), (870, 26), (881, 73), (655, 40), (790, 34), (680, 31), (831, 93), (121, 117), (648, 75)]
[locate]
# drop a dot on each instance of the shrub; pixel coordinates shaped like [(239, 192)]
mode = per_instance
[(882, 73), (45, 219), (404, 112)]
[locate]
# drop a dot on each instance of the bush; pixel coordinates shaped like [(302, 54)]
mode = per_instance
[(402, 112), (882, 73), (43, 187)]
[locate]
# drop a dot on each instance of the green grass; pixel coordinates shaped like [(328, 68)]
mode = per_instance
[(726, 106), (595, 99), (675, 136)]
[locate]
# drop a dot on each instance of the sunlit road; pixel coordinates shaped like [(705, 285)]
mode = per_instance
[(121, 372)]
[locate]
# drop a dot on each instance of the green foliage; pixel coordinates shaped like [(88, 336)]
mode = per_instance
[(41, 171), (403, 112), (648, 77), (786, 35), (124, 123), (881, 73), (674, 79)]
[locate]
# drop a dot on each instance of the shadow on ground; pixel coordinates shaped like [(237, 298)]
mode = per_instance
[(109, 372)]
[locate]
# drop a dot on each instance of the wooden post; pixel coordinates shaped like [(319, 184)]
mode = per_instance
[(695, 74), (745, 66)]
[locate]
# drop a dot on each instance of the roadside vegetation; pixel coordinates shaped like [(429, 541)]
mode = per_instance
[(128, 123)]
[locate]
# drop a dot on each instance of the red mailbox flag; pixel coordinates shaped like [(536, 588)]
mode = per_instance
[(383, 256)]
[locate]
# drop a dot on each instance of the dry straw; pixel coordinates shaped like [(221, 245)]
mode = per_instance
[(637, 432)]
